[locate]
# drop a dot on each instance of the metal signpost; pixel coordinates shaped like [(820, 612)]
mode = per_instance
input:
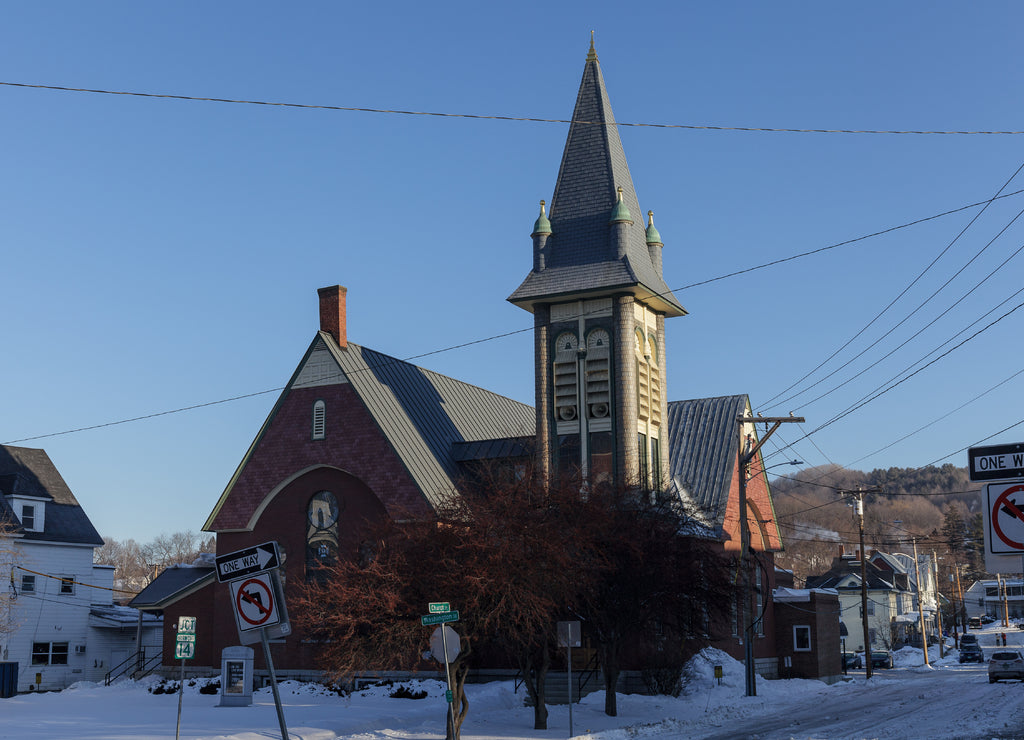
[(441, 613), (184, 649), (258, 601), (569, 637)]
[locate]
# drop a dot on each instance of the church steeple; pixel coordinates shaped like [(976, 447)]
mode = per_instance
[(599, 304), (583, 254)]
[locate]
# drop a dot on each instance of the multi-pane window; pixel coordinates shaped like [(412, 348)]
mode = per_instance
[(49, 653), (656, 464), (644, 472), (28, 516), (319, 420), (28, 584), (601, 464), (67, 586)]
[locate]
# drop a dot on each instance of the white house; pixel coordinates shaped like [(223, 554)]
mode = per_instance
[(59, 623)]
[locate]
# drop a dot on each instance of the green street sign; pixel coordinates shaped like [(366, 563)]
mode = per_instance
[(184, 651), (439, 607), (449, 696), (440, 618)]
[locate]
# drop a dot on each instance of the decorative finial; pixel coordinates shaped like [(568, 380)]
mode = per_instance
[(591, 55), (650, 218), (619, 190)]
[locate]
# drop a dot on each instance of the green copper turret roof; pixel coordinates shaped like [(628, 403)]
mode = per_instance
[(541, 225), (620, 213), (653, 237)]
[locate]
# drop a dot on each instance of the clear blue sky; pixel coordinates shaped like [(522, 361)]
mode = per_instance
[(159, 254)]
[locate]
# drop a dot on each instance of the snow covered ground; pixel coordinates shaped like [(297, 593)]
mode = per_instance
[(945, 700)]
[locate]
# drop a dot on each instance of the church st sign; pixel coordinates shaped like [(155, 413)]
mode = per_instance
[(996, 462)]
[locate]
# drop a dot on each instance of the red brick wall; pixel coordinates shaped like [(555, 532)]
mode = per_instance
[(821, 614), (353, 443)]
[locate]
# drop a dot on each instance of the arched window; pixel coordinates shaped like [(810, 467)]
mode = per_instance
[(643, 377), (598, 374), (321, 533), (319, 420), (566, 380), (654, 379)]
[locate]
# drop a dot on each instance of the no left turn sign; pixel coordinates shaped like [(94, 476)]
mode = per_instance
[(1006, 518), (255, 604)]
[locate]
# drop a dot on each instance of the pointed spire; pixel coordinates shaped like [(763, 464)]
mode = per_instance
[(541, 225), (653, 237), (591, 55)]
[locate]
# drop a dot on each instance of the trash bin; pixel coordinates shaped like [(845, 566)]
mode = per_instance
[(8, 680)]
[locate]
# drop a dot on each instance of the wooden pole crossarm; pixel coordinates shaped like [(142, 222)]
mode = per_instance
[(776, 421)]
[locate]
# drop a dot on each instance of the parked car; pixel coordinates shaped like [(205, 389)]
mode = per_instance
[(988, 619), (974, 623), (852, 660), (971, 653), (1005, 664), (968, 639), (881, 659)]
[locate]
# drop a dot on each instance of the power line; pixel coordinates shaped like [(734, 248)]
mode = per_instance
[(898, 297), (522, 119), (525, 329)]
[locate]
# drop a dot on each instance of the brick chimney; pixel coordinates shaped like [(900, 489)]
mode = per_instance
[(332, 313)]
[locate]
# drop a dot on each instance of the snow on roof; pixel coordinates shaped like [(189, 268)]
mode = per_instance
[(799, 594)]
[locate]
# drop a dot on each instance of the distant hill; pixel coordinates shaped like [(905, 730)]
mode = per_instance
[(938, 505)]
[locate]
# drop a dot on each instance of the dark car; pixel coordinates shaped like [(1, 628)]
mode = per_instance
[(971, 653), (881, 659), (988, 619), (852, 660), (968, 639), (1005, 664)]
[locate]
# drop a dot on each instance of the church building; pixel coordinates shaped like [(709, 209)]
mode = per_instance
[(357, 435)]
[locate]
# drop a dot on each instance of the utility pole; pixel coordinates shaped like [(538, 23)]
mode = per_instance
[(859, 495), (920, 606), (938, 606), (746, 452), (962, 609)]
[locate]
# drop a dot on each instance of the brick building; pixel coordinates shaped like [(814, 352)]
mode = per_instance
[(357, 435)]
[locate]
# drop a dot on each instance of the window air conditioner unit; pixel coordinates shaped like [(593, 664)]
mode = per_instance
[(79, 649)]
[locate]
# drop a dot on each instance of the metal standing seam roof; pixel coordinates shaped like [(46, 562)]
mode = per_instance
[(30, 472), (425, 414), (702, 450), (582, 257)]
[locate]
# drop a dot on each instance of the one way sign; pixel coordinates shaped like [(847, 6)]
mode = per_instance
[(248, 561)]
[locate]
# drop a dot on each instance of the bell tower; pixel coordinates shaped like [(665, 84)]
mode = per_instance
[(599, 303)]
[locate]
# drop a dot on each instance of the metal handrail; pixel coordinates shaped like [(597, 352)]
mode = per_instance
[(593, 666), (137, 664)]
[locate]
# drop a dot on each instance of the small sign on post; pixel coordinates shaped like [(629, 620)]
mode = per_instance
[(429, 619), (184, 649)]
